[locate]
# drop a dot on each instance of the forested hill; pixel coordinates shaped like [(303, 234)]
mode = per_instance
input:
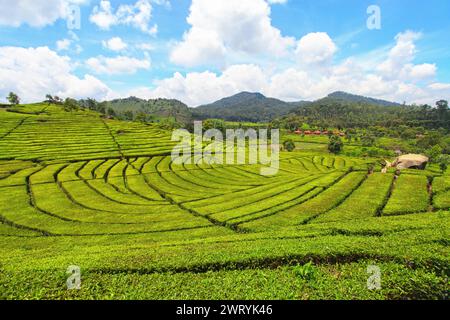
[(338, 109), (165, 108), (332, 112), (152, 109), (348, 97), (255, 107), (244, 106)]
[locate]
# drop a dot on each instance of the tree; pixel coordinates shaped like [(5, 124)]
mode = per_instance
[(110, 112), (289, 145), (335, 145), (408, 133), (276, 124), (442, 106), (431, 139), (305, 126), (367, 140), (444, 160), (101, 107), (214, 124), (443, 166), (425, 108), (13, 98), (128, 115), (141, 117), (434, 153), (92, 104), (70, 105), (52, 99)]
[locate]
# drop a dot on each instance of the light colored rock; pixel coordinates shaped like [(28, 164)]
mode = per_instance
[(413, 161)]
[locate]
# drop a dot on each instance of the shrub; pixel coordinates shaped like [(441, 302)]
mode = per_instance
[(289, 145), (306, 272), (434, 153), (335, 144)]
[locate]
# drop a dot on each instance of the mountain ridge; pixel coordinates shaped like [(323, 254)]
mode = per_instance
[(255, 107), (342, 95), (244, 106)]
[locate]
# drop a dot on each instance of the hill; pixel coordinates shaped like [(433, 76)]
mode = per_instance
[(244, 106), (348, 97), (255, 107), (350, 111), (156, 109)]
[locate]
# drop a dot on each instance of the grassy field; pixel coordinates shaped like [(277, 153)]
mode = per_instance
[(76, 189)]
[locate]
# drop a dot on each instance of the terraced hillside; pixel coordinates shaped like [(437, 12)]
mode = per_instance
[(76, 189)]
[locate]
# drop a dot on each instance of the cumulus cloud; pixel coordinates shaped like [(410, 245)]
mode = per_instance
[(34, 13), (439, 86), (315, 48), (399, 63), (421, 71), (34, 72), (117, 65), (63, 44), (115, 44), (137, 15), (70, 43), (410, 82), (201, 87), (219, 29)]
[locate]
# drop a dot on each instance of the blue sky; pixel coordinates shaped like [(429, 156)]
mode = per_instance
[(202, 50)]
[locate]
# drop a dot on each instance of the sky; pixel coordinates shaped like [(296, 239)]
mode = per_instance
[(200, 51)]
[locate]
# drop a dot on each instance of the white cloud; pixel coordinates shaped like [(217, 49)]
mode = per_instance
[(115, 44), (34, 72), (199, 47), (421, 71), (290, 84), (277, 1), (221, 28), (34, 13), (138, 16), (399, 61), (316, 48), (66, 44), (411, 82), (103, 16), (145, 47), (63, 44), (439, 86), (78, 49), (202, 87), (117, 65)]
